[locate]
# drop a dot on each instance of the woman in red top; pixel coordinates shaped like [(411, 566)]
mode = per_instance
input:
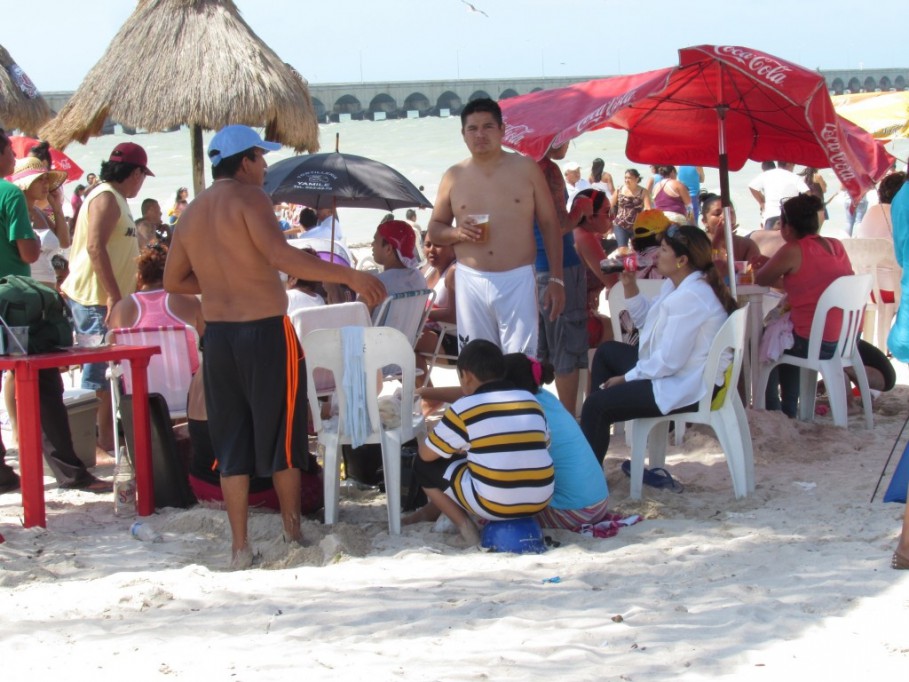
[(807, 263)]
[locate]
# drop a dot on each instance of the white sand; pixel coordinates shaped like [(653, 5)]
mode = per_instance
[(792, 582)]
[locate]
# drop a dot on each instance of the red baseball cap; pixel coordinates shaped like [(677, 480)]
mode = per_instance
[(401, 236), (130, 152)]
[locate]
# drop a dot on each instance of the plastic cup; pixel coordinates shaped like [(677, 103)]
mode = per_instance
[(17, 341), (89, 340), (481, 220)]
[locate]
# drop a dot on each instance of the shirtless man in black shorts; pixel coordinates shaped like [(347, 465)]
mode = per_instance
[(229, 247)]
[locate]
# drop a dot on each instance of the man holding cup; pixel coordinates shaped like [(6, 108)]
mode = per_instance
[(496, 297)]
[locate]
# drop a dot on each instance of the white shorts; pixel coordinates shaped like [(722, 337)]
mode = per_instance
[(498, 306)]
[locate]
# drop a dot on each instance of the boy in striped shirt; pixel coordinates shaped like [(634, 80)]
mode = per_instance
[(488, 455)]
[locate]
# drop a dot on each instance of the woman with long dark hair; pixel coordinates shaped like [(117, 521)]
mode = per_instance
[(663, 374)]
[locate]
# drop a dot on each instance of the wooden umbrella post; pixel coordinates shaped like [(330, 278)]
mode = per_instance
[(195, 133)]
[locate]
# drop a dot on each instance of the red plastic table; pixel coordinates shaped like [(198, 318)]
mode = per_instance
[(30, 454)]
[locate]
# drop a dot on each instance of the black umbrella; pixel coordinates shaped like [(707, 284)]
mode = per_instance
[(336, 179)]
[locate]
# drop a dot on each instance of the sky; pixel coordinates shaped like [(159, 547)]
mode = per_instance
[(333, 41)]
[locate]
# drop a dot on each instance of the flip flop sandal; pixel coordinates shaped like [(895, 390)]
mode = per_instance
[(899, 562), (657, 477)]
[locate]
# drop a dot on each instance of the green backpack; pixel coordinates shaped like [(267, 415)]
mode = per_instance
[(26, 303)]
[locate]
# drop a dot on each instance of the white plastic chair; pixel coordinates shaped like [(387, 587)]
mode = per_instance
[(306, 320), (870, 257), (849, 293), (406, 312), (168, 373), (437, 353), (650, 288), (382, 346), (728, 421)]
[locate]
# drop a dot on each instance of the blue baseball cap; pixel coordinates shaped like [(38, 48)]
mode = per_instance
[(234, 139)]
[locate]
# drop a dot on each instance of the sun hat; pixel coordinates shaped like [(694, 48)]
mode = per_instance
[(130, 152), (401, 236), (234, 139), (30, 169), (650, 223), (572, 166)]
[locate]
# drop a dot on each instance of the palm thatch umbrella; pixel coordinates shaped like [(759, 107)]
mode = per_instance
[(21, 105), (192, 62)]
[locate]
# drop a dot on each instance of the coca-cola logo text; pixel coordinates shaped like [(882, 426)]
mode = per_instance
[(515, 133), (836, 154), (762, 65)]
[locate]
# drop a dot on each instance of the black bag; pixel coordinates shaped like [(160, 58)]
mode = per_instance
[(26, 303), (364, 465), (171, 478)]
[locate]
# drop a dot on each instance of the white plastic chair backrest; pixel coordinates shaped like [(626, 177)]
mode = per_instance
[(331, 316), (849, 293), (335, 316), (730, 337), (382, 346), (406, 312), (170, 372), (867, 255), (648, 287)]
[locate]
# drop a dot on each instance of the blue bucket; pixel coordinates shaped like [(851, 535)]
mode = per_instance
[(518, 536)]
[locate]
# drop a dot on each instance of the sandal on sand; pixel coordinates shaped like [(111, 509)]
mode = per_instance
[(899, 562), (657, 477)]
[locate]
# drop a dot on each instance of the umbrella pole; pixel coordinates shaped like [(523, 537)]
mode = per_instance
[(725, 197), (195, 134), (333, 210)]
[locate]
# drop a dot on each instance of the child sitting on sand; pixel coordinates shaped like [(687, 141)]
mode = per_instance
[(580, 494), (488, 454)]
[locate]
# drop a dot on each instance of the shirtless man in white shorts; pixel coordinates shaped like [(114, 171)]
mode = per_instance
[(495, 277)]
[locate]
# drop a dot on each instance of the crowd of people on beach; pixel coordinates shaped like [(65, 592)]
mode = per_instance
[(519, 254)]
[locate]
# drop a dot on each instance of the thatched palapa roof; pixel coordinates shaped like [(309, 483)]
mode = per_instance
[(192, 62), (21, 106)]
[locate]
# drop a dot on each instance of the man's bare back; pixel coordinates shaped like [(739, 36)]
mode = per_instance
[(229, 247)]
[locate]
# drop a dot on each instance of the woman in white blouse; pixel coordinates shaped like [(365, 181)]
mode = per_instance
[(664, 373)]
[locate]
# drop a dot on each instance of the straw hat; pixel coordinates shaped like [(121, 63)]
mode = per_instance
[(30, 169)]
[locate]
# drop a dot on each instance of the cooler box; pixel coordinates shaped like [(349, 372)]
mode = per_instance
[(82, 408)]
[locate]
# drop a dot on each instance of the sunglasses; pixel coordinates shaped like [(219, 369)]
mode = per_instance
[(676, 237), (783, 217)]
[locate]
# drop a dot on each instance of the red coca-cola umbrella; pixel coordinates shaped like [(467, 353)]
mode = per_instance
[(59, 161), (721, 106)]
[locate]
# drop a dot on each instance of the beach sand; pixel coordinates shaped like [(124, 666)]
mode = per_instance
[(792, 582)]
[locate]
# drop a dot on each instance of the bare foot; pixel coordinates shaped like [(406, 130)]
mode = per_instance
[(241, 559), (469, 533), (297, 538), (429, 512)]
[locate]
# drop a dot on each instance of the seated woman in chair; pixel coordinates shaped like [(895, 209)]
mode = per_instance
[(439, 272), (663, 374), (806, 264), (150, 305)]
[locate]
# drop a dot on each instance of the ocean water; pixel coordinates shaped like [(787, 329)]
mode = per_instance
[(421, 149)]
